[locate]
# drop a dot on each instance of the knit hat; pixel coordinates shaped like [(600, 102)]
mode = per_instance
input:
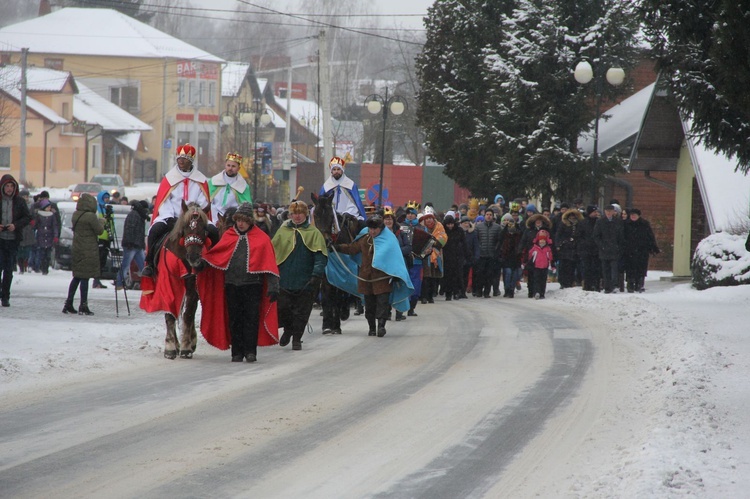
[(375, 222), (591, 208), (449, 219), (244, 212), (531, 207), (542, 235), (465, 219), (44, 203)]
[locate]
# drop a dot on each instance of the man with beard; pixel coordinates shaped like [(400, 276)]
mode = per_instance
[(183, 184), (346, 198), (228, 189)]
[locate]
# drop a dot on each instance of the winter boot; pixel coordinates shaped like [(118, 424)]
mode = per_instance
[(621, 281), (98, 284), (285, 338), (641, 285), (381, 328), (297, 341), (69, 308), (371, 323), (360, 308), (400, 316), (84, 309)]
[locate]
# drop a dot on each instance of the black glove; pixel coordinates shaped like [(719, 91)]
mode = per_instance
[(314, 283), (272, 296)]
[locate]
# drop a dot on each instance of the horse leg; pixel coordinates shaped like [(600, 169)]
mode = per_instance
[(189, 335), (170, 342)]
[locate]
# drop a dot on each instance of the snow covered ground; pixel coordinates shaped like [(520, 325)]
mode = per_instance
[(674, 423)]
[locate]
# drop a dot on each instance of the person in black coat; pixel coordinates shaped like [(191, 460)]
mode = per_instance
[(133, 239), (510, 252), (488, 233), (454, 255), (610, 239), (472, 251), (14, 216), (589, 252), (640, 242), (567, 240)]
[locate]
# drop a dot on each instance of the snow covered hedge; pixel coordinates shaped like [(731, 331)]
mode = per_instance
[(721, 260)]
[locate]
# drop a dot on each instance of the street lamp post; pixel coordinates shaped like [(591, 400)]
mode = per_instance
[(374, 104), (257, 115), (583, 74)]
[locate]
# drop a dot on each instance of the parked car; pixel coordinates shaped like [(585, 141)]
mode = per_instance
[(63, 249), (113, 183), (89, 187)]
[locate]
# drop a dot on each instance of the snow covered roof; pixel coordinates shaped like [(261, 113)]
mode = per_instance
[(131, 140), (725, 192), (102, 32), (621, 124), (39, 80), (94, 109), (232, 76), (303, 109)]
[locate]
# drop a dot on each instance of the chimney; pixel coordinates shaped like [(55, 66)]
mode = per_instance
[(44, 8)]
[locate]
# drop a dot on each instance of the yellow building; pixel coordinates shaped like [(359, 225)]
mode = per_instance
[(170, 85), (49, 127)]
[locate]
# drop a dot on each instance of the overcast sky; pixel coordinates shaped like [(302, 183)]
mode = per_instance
[(396, 7)]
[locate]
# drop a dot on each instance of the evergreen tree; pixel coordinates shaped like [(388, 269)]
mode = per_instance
[(703, 54), (498, 102), (130, 8)]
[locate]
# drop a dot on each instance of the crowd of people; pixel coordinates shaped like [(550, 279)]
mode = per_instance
[(273, 257)]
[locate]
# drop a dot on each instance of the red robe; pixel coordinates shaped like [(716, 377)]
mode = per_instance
[(215, 317)]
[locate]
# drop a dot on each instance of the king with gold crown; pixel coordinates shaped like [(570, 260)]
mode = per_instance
[(228, 189)]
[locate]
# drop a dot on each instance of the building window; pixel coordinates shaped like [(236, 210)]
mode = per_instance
[(181, 92), (212, 94), (96, 156), (125, 97), (52, 159), (194, 93), (4, 158), (204, 90), (66, 110), (53, 63)]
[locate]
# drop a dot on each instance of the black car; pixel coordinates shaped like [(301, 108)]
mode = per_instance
[(62, 250)]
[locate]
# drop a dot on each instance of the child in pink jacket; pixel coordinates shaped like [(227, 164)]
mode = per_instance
[(540, 259)]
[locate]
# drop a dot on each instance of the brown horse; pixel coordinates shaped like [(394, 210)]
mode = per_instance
[(175, 287), (341, 229)]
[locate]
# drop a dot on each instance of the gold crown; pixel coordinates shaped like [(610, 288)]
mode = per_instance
[(474, 203), (412, 204), (483, 201), (388, 212), (234, 156), (336, 161)]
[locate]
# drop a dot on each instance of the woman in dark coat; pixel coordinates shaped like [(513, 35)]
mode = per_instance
[(454, 255), (567, 241), (640, 242), (47, 230), (87, 227)]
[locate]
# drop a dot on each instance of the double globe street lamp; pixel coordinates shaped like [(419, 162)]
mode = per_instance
[(375, 104), (583, 74)]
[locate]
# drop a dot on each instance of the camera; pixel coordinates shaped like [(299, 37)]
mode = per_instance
[(109, 210)]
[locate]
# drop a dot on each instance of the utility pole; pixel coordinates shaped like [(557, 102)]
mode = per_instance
[(24, 61), (325, 87)]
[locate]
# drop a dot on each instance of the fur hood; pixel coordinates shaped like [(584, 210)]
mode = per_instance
[(571, 213), (531, 221)]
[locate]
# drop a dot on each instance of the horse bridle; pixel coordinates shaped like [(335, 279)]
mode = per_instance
[(193, 239)]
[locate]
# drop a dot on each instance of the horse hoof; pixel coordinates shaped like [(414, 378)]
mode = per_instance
[(186, 355), (170, 354)]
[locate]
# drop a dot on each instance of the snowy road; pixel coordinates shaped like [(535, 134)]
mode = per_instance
[(467, 400)]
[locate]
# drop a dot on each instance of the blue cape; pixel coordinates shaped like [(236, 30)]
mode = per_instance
[(386, 258)]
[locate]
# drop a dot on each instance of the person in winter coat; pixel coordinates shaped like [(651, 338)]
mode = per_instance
[(567, 241), (534, 223), (488, 233), (610, 238), (14, 216), (510, 252), (540, 259), (640, 242), (433, 264), (28, 238), (103, 209), (133, 239), (45, 222), (301, 255), (389, 220), (87, 227), (454, 255), (589, 251), (472, 252)]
